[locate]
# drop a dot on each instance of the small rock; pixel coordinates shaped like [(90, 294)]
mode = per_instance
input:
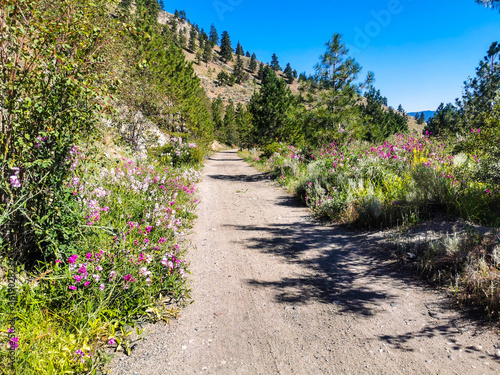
[(184, 347), (394, 304)]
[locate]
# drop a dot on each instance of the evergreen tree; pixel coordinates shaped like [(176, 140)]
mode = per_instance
[(481, 92), (202, 37), (253, 63), (244, 126), (213, 36), (231, 132), (303, 77), (239, 70), (207, 52), (247, 54), (192, 40), (275, 65), (294, 74), (218, 116), (495, 4), (176, 14), (226, 51), (271, 110), (182, 38), (260, 73), (239, 49), (401, 110), (378, 122), (444, 121), (288, 73), (337, 105), (420, 117)]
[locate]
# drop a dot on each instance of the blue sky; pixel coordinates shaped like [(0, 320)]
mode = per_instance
[(421, 51)]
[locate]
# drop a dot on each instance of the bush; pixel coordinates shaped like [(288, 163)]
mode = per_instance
[(178, 153)]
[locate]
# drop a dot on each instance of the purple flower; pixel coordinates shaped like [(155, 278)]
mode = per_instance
[(72, 287), (13, 343), (72, 259)]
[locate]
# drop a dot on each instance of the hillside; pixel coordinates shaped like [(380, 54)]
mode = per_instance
[(238, 93)]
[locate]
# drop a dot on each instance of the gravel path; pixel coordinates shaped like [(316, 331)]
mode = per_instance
[(277, 293)]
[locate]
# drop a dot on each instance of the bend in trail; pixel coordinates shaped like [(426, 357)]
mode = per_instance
[(277, 293)]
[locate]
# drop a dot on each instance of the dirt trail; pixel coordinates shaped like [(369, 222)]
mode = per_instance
[(277, 293)]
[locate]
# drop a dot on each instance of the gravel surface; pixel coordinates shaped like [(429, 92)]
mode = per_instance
[(276, 292)]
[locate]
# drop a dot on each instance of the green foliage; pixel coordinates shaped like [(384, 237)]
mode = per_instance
[(225, 79), (239, 49), (239, 70), (230, 129), (54, 84), (480, 92), (289, 73), (270, 149), (272, 111), (244, 126), (226, 51), (443, 122), (213, 36), (177, 153), (275, 65), (253, 63), (334, 93), (380, 122)]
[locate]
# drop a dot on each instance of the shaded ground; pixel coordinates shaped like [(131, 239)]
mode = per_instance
[(277, 293)]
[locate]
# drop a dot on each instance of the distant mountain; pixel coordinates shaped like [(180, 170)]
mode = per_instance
[(428, 114)]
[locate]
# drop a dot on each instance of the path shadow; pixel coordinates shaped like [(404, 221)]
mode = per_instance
[(330, 275), (349, 269), (239, 177)]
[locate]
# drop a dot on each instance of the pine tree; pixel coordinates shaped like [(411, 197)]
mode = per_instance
[(239, 70), (253, 63), (247, 54), (270, 109), (260, 73), (207, 52), (288, 73), (244, 126), (218, 115), (213, 36), (337, 106), (231, 132), (192, 39), (226, 51), (275, 65), (239, 49)]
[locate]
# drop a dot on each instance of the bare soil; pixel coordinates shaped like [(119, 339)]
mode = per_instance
[(276, 292)]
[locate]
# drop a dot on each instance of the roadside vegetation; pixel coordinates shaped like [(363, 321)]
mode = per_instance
[(103, 131)]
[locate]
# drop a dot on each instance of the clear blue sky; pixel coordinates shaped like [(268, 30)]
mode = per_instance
[(421, 51)]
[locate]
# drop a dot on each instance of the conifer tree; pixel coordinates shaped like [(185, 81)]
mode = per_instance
[(218, 115), (202, 36), (226, 51), (192, 39), (270, 109), (244, 126), (207, 52), (253, 63), (288, 73), (239, 70), (247, 54), (260, 72), (231, 132), (275, 65), (213, 36), (239, 49)]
